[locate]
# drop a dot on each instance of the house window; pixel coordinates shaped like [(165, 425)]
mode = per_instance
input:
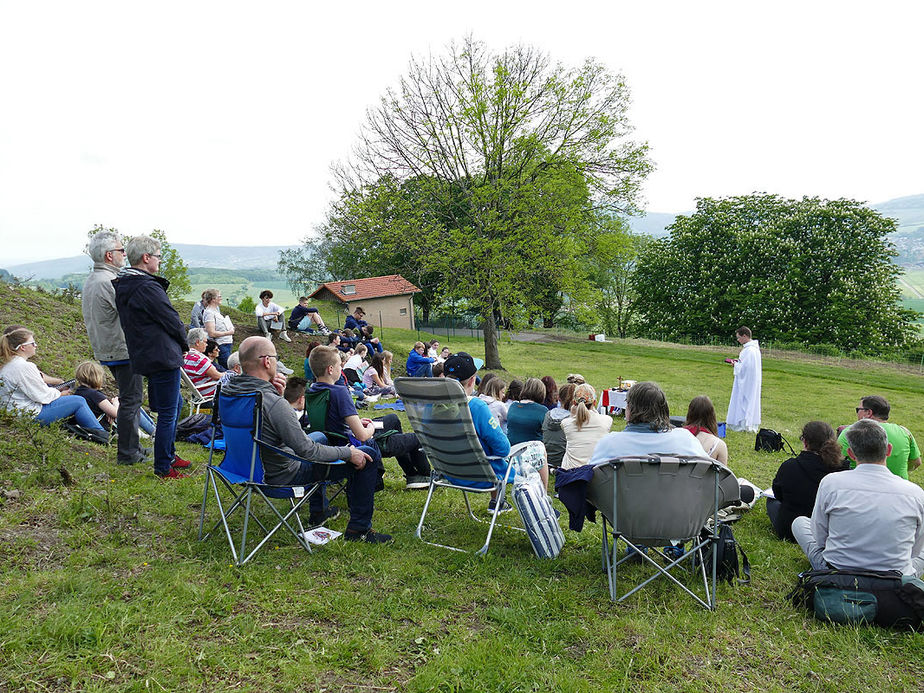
[(404, 311), (348, 289)]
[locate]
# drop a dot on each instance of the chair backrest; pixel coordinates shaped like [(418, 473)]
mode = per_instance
[(438, 411), (241, 418), (197, 397), (661, 497)]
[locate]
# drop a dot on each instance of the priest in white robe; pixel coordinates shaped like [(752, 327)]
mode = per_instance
[(744, 407)]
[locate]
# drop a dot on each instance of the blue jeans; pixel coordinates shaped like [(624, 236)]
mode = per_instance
[(424, 371), (374, 348), (145, 422), (164, 398), (360, 489), (224, 351), (65, 407)]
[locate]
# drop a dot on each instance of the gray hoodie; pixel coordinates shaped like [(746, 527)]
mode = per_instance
[(553, 437), (282, 430)]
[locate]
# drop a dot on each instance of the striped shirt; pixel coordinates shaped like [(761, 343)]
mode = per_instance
[(196, 364)]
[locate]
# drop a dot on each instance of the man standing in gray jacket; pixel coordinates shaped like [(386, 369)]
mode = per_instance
[(108, 341)]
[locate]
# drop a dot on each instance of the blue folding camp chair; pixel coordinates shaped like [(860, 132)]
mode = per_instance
[(240, 474)]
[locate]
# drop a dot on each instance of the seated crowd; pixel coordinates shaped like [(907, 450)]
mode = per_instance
[(845, 498)]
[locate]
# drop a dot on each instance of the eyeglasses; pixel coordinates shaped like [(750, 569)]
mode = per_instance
[(859, 409), (157, 255), (25, 344), (268, 356), (117, 250)]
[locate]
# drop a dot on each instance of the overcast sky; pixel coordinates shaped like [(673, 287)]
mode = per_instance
[(217, 122)]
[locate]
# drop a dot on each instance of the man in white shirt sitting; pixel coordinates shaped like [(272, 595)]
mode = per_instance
[(866, 518)]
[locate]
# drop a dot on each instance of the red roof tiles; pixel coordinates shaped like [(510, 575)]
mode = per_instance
[(366, 288)]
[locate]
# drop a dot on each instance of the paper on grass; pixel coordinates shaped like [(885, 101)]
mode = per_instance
[(321, 535)]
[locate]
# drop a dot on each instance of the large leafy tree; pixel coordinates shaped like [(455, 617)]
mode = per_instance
[(812, 271), (611, 263), (497, 160)]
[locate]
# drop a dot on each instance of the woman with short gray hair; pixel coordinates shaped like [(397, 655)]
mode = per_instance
[(139, 246)]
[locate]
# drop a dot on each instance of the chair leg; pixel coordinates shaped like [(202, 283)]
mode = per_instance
[(205, 497), (419, 530)]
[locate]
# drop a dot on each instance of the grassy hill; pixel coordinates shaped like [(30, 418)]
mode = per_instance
[(104, 586)]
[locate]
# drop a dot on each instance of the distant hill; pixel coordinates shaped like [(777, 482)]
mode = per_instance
[(262, 257), (909, 240)]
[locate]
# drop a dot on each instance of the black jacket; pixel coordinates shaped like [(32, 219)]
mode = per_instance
[(154, 334), (795, 487)]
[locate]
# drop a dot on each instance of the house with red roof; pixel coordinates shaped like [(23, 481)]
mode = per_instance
[(388, 301)]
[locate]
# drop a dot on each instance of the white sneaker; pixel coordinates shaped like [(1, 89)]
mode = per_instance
[(324, 331), (284, 336)]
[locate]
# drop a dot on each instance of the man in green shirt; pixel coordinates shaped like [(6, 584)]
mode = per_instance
[(906, 456)]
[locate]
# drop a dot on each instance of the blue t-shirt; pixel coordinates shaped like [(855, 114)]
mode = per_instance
[(524, 421), (492, 438), (340, 407), (309, 376)]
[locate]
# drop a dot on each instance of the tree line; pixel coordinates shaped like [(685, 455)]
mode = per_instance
[(498, 184)]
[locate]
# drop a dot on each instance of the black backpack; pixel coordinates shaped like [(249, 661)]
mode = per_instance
[(861, 597), (191, 425), (769, 440), (727, 549)]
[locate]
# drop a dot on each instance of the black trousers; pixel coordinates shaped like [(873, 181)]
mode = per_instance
[(404, 447), (131, 392)]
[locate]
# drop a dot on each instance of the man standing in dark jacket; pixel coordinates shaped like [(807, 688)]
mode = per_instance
[(156, 339)]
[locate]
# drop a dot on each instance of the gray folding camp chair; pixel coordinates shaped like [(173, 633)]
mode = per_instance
[(654, 500), (439, 414)]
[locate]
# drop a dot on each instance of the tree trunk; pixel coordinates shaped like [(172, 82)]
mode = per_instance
[(491, 354)]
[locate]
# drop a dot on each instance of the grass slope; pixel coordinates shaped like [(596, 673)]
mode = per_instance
[(104, 586)]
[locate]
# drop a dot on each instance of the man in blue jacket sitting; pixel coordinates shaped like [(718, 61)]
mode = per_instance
[(418, 365)]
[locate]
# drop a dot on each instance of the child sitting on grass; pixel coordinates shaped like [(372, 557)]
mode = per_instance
[(89, 378)]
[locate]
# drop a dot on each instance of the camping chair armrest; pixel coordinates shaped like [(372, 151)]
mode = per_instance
[(293, 456)]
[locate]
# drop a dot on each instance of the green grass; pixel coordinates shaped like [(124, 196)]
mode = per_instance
[(104, 586)]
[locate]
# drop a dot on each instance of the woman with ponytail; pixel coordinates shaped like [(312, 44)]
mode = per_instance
[(797, 479), (584, 428), (23, 389)]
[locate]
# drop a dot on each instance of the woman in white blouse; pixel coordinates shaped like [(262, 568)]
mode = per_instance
[(217, 326), (584, 428), (23, 389)]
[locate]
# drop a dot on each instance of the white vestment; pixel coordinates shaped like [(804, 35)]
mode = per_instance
[(744, 407)]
